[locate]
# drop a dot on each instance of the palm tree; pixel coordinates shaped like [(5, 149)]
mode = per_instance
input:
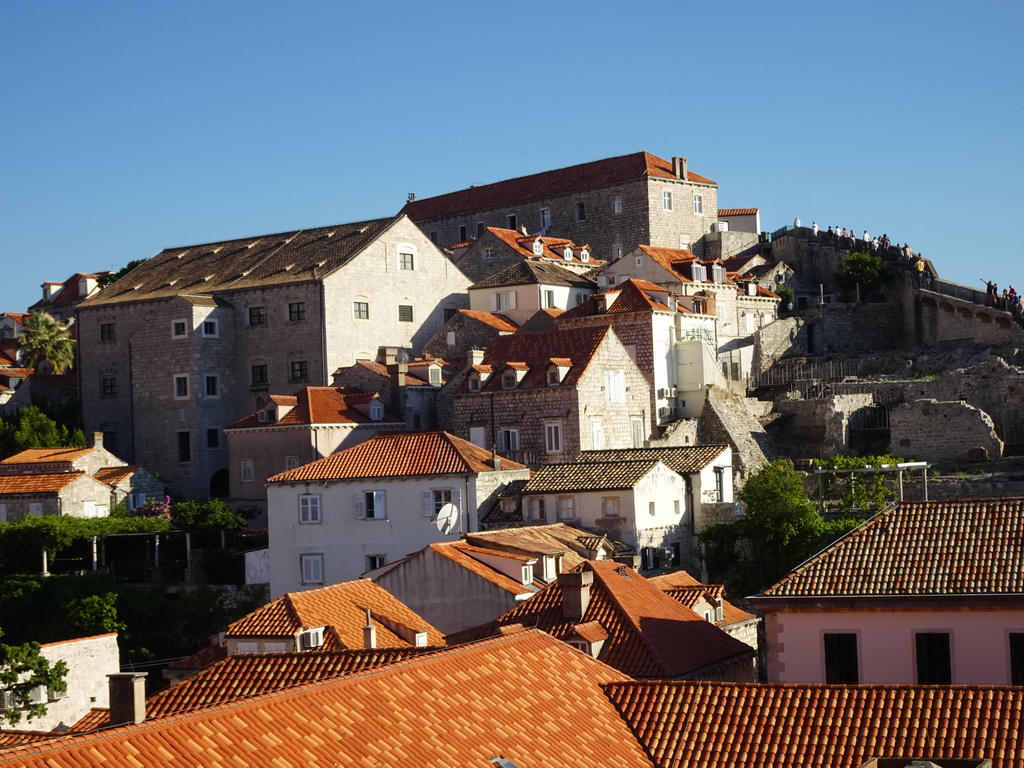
[(47, 339)]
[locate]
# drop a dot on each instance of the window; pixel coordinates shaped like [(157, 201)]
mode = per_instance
[(651, 509), (247, 472), (537, 511), (361, 310), (617, 204), (296, 311), (299, 370), (538, 247), (211, 329), (666, 201), (259, 374), (1016, 657), (434, 499), (110, 440), (596, 435), (566, 507), (637, 432), (213, 386), (312, 567), (504, 301), (545, 218), (213, 438), (247, 647), (257, 315), (180, 386), (309, 508), (404, 313), (376, 561), (841, 659), (291, 462), (479, 229), (434, 376), (376, 412), (508, 439), (405, 260), (553, 436), (698, 204), (488, 254), (109, 387), (549, 298), (35, 508), (610, 506), (184, 447), (370, 505), (107, 332), (684, 243), (512, 222), (508, 379), (448, 313), (179, 329), (933, 660), (615, 386), (581, 211), (433, 237), (719, 484), (554, 376), (462, 234)]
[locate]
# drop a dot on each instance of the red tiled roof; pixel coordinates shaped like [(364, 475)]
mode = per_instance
[(953, 547), (47, 455), (14, 738), (552, 248), (589, 476), (744, 725), (539, 540), (340, 606), (684, 459), (561, 181), (452, 708), (250, 674), (649, 633), (382, 370), (736, 212), (114, 475), (38, 483), (496, 321), (320, 405), (400, 454), (97, 717), (682, 587), (536, 349), (461, 555), (202, 658)]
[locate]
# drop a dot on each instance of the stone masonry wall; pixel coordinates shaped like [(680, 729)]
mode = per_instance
[(727, 420), (929, 430), (995, 387), (819, 428)]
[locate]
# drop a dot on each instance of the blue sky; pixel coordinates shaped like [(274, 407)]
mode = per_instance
[(130, 127)]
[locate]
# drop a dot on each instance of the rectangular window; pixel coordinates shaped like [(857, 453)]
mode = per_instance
[(479, 229), (181, 386), (213, 438), (376, 412), (933, 659), (448, 313), (508, 439), (370, 505), (374, 562), (35, 508), (309, 508), (361, 310), (596, 435), (617, 204), (545, 218), (651, 509), (109, 387), (211, 329), (1017, 658), (438, 498), (297, 311), (110, 441), (312, 567), (549, 298), (107, 332), (299, 370), (488, 254), (213, 386), (537, 511), (247, 472), (553, 437), (719, 484), (841, 666), (404, 313), (259, 374), (504, 301), (610, 506), (405, 260), (179, 329), (257, 315), (615, 386), (433, 237), (463, 236), (698, 204), (513, 222), (666, 201), (291, 462), (565, 507), (581, 211), (184, 447)]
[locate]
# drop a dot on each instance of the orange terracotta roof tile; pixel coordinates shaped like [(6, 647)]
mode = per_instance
[(461, 555), (496, 321), (97, 717), (533, 272), (952, 547), (399, 454), (114, 475), (202, 658), (557, 182), (536, 349), (649, 633), (320, 405), (736, 212), (628, 296), (681, 586), (683, 459), (589, 476), (742, 725), (450, 708), (38, 483), (14, 738), (539, 540), (590, 631), (341, 607), (47, 455)]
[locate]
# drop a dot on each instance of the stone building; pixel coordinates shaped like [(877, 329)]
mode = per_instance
[(519, 291), (409, 389), (467, 330), (541, 398), (497, 249), (611, 205), (196, 337)]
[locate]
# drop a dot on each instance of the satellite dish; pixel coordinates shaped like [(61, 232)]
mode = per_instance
[(448, 520)]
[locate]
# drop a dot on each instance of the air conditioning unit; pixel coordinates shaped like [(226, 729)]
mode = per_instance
[(672, 392), (311, 638), (664, 411), (6, 700)]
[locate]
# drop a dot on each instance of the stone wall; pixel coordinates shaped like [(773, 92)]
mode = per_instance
[(460, 334), (819, 428), (727, 420), (929, 430), (995, 387)]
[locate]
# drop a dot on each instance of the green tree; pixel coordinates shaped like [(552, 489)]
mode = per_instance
[(94, 614), (861, 494), (23, 668), (112, 277), (47, 339), (212, 514), (34, 429), (863, 269)]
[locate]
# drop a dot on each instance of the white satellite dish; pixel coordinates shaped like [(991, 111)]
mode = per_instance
[(448, 520)]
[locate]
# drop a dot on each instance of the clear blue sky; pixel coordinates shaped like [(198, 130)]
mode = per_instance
[(129, 127)]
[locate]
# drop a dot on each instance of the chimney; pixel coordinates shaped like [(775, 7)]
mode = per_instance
[(523, 230), (387, 354), (575, 593), (476, 356), (97, 440), (369, 633), (127, 697), (495, 459), (679, 167), (396, 373)]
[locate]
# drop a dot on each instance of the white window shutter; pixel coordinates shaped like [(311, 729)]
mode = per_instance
[(358, 505), (379, 510), (511, 299), (494, 302), (428, 503), (457, 498)]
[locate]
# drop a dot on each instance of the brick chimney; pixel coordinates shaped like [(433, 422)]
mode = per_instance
[(127, 697), (679, 167), (575, 593)]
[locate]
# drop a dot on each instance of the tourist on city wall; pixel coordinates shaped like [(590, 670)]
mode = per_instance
[(920, 266), (814, 229), (796, 223)]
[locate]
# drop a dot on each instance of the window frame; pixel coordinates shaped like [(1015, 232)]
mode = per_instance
[(933, 663), (108, 332), (108, 386), (407, 260), (298, 371), (246, 470), (181, 386), (263, 377), (611, 506), (213, 438), (179, 328), (184, 447), (296, 311), (508, 438), (841, 668), (373, 562), (545, 218), (210, 334), (311, 568), (310, 509), (666, 200), (212, 393), (617, 205), (360, 310), (581, 211), (698, 205), (369, 503), (257, 316), (403, 310), (553, 437)]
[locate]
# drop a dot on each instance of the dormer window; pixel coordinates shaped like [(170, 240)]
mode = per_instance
[(700, 274), (508, 379), (376, 412), (527, 575), (538, 247), (474, 382), (567, 253), (584, 255), (434, 376), (554, 378)]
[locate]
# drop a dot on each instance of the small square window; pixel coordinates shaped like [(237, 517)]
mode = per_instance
[(213, 438), (297, 311), (488, 254), (376, 561), (213, 386), (299, 370), (405, 260), (179, 329), (404, 313), (291, 462), (361, 310), (449, 313), (107, 332), (184, 447), (259, 374), (666, 201), (181, 386), (211, 329), (110, 387), (257, 315)]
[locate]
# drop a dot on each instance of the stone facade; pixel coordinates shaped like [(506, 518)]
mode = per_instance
[(929, 430), (727, 419), (84, 496), (819, 428), (465, 331)]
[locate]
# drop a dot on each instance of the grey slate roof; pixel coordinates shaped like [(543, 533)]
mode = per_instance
[(684, 459), (286, 257), (592, 476), (535, 273)]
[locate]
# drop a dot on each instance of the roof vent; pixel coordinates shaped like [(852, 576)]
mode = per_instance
[(208, 278)]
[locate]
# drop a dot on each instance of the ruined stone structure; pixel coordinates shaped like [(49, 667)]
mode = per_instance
[(929, 430)]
